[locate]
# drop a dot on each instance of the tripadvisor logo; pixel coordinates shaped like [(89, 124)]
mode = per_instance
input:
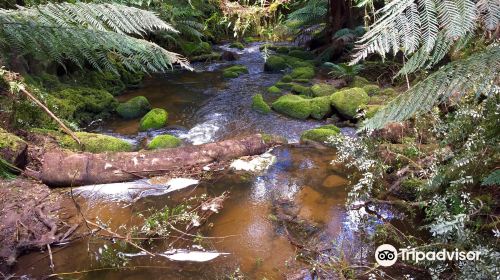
[(387, 255)]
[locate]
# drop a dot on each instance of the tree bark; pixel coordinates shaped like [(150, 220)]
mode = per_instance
[(64, 169)]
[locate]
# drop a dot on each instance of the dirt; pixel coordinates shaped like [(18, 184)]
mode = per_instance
[(31, 217)]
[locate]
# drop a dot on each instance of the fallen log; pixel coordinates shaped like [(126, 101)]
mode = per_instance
[(64, 168)]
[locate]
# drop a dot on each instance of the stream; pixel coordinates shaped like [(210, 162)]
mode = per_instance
[(203, 107)]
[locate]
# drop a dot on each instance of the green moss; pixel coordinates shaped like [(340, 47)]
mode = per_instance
[(286, 79), (295, 62), (234, 71), (305, 55), (323, 89), (134, 108), (164, 142), (259, 105), (251, 39), (195, 48), (275, 64), (299, 89), (302, 73), (371, 110), (283, 85), (320, 134), (282, 50), (360, 82), (9, 140), (237, 45), (293, 106), (347, 102), (94, 143), (156, 118), (320, 107), (389, 92), (213, 56), (371, 89), (274, 89)]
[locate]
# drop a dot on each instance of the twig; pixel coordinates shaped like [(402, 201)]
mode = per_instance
[(51, 259)]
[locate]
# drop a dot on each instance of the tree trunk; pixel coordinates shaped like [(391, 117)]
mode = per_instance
[(64, 169), (340, 14)]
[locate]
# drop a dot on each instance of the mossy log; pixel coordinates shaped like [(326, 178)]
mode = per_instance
[(64, 168)]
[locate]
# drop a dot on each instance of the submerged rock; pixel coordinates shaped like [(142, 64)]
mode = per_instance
[(320, 134), (164, 142), (134, 108), (348, 101), (259, 105), (156, 118), (334, 181)]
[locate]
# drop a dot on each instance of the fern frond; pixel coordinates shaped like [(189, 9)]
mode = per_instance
[(88, 33), (417, 27), (312, 13), (454, 79)]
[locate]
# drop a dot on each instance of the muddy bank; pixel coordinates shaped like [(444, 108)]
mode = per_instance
[(31, 217)]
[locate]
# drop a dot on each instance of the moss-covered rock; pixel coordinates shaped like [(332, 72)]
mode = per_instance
[(320, 134), (213, 56), (283, 85), (286, 79), (82, 105), (348, 101), (302, 73), (93, 143), (371, 89), (323, 89), (251, 39), (282, 50), (12, 148), (164, 142), (302, 107), (234, 71), (259, 105), (134, 108), (237, 45), (300, 89), (320, 107), (295, 62), (305, 55), (388, 92), (360, 82), (293, 106), (156, 118), (195, 48), (275, 64), (274, 89)]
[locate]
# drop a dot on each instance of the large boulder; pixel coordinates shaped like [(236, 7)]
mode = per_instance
[(164, 142), (320, 134), (13, 149), (275, 64), (156, 118), (348, 101), (234, 71), (259, 105), (320, 107), (134, 108)]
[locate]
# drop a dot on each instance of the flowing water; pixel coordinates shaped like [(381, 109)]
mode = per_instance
[(203, 107)]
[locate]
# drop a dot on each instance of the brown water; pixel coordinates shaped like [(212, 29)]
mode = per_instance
[(203, 107)]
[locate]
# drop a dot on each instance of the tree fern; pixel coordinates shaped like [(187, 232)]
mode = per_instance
[(312, 13), (415, 27), (97, 34), (452, 80)]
